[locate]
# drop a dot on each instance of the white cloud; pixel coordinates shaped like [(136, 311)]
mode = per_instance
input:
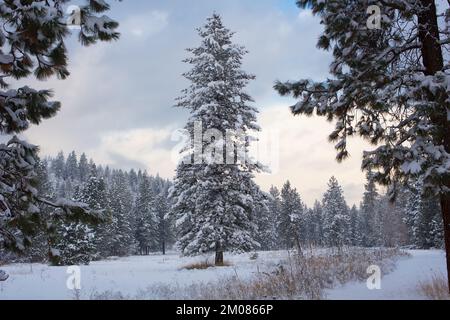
[(140, 146), (307, 159), (145, 25), (117, 88)]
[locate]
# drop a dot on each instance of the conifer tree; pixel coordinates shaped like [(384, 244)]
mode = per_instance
[(213, 190), (75, 245), (274, 205), (317, 224), (32, 43), (336, 217), (39, 251), (354, 230), (121, 242), (291, 222), (266, 234), (146, 223), (71, 167), (58, 165), (94, 194), (83, 168), (368, 211), (165, 222), (388, 84), (412, 210)]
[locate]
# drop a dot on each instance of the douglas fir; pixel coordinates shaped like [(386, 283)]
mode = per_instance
[(214, 201)]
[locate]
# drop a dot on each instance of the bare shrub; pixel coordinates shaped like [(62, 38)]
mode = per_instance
[(202, 265), (302, 276), (436, 288)]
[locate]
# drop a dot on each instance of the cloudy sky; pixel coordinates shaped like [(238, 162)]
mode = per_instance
[(118, 101)]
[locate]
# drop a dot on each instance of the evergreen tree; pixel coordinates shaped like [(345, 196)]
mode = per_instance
[(425, 232), (378, 91), (121, 242), (94, 194), (412, 210), (39, 251), (336, 217), (422, 218), (217, 181), (133, 181), (274, 205), (58, 165), (317, 236), (146, 223), (75, 245), (389, 222), (437, 232), (354, 230), (266, 234), (291, 221), (83, 168), (32, 42), (71, 167), (165, 223), (368, 211)]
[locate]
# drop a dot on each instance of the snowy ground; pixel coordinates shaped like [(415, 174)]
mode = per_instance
[(401, 284), (129, 275)]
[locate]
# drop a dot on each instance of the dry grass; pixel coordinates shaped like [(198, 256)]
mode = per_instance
[(436, 288), (299, 277), (202, 265)]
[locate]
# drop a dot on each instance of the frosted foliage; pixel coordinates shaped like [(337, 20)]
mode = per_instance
[(214, 204)]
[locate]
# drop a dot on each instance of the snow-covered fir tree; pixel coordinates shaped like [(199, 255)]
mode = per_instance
[(391, 230), (354, 230), (71, 167), (335, 215), (367, 226), (213, 191), (94, 194), (316, 224), (75, 245), (83, 168), (133, 181), (429, 226), (291, 219), (425, 230), (274, 206), (266, 233), (164, 219), (121, 242), (39, 250), (58, 165), (146, 222)]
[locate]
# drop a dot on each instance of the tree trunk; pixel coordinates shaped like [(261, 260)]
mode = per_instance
[(164, 248), (433, 62), (299, 245), (445, 207), (219, 255), (432, 57)]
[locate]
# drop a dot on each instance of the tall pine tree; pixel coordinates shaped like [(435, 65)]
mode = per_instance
[(336, 216), (146, 222), (213, 191), (291, 220), (388, 84)]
